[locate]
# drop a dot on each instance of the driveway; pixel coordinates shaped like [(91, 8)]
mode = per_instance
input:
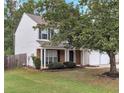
[(103, 66)]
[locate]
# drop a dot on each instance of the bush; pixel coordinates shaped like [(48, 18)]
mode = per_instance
[(55, 65), (36, 62), (69, 64)]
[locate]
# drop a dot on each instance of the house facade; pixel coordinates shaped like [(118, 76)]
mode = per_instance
[(37, 42)]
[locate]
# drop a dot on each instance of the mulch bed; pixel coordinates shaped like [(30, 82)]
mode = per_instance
[(110, 75), (54, 70), (64, 69)]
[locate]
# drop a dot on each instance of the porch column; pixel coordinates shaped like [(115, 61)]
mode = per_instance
[(65, 55), (82, 56), (74, 56), (44, 58), (41, 58)]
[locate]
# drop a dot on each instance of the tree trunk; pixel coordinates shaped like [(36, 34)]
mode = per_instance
[(113, 69)]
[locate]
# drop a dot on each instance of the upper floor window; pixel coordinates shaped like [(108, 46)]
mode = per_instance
[(46, 34), (43, 34)]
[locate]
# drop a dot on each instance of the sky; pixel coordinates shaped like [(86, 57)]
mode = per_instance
[(74, 1), (67, 1)]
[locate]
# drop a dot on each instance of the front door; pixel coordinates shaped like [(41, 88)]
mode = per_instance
[(61, 55), (58, 53), (71, 56)]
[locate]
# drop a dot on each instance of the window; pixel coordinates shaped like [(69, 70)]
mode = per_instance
[(52, 33), (51, 56), (47, 60), (55, 59), (50, 59), (44, 36)]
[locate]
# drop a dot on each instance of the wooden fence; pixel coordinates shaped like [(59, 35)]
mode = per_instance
[(14, 61)]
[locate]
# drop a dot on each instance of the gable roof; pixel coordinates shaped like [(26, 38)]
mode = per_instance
[(37, 19)]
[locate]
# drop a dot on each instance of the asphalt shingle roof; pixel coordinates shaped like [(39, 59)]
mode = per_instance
[(37, 19)]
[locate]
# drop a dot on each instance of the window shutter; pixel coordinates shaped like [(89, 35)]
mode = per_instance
[(39, 33), (49, 34), (52, 32)]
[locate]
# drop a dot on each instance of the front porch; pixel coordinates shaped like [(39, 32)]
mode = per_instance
[(50, 55)]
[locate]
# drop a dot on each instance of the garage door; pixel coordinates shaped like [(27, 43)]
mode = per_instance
[(104, 59)]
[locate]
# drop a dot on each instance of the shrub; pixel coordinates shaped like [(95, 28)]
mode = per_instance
[(55, 65), (69, 64), (36, 62)]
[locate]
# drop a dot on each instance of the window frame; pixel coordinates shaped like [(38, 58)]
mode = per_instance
[(42, 34)]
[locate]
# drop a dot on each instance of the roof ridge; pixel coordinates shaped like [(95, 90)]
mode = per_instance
[(32, 14), (36, 18)]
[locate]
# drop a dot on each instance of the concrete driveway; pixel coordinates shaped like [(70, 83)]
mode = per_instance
[(103, 66)]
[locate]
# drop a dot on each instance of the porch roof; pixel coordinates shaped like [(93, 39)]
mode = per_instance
[(51, 45)]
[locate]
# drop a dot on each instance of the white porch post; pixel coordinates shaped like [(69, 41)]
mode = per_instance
[(41, 58), (74, 56), (65, 55), (44, 58), (83, 56)]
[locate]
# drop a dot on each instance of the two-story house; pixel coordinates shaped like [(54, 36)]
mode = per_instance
[(37, 42)]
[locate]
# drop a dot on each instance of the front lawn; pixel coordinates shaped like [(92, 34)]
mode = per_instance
[(73, 81)]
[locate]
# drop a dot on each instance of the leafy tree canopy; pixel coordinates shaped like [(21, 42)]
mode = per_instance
[(96, 29)]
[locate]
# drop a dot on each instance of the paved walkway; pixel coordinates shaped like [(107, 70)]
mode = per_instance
[(103, 66)]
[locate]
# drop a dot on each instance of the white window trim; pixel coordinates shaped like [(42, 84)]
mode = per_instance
[(52, 55)]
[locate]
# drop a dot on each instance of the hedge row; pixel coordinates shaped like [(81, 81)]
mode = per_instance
[(54, 65), (58, 65)]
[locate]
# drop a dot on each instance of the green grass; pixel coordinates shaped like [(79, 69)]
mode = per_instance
[(73, 81)]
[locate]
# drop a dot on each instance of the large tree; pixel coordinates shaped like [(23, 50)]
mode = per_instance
[(97, 28), (103, 32)]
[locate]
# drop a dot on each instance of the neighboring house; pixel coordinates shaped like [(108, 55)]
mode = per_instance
[(37, 43)]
